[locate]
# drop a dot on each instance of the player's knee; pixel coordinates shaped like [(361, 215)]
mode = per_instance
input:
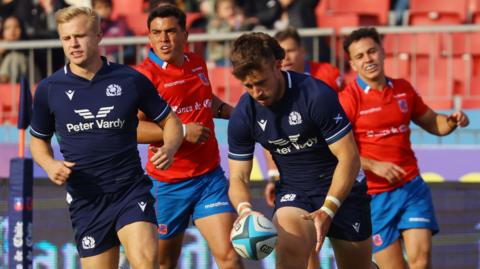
[(419, 260), (144, 258), (228, 258)]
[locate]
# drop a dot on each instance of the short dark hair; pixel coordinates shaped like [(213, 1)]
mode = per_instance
[(365, 32), (251, 50), (290, 32), (157, 3), (166, 11)]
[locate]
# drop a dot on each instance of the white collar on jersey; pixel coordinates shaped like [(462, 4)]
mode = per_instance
[(66, 68)]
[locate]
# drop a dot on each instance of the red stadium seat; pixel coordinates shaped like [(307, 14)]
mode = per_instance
[(433, 83), (225, 85), (397, 66), (418, 44), (127, 8), (378, 9), (458, 44), (137, 22), (471, 98), (9, 95), (424, 12)]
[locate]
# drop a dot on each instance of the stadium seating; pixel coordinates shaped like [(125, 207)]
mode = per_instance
[(437, 12), (374, 11), (9, 94), (137, 22), (418, 44), (471, 98), (398, 66), (225, 85), (127, 8)]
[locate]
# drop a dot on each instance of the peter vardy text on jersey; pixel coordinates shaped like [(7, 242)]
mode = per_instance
[(98, 124)]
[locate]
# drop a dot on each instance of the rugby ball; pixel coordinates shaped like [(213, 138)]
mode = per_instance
[(253, 237)]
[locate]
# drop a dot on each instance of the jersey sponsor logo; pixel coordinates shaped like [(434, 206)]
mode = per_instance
[(403, 105), (70, 94), (142, 205), (88, 242), (338, 118), (114, 90), (288, 197), (287, 146), (207, 103), (356, 227), (263, 124), (102, 112), (370, 110), (174, 83), (294, 118), (99, 124), (392, 130), (204, 79)]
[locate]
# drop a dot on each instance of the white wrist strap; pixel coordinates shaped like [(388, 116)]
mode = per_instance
[(328, 211), (334, 200), (184, 129), (273, 173), (245, 205)]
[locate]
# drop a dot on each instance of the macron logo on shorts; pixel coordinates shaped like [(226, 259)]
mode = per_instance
[(88, 242), (142, 205), (288, 197)]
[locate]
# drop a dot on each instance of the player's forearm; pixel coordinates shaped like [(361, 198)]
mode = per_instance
[(42, 152), (172, 132), (149, 133), (220, 109), (344, 176), (366, 163), (444, 125), (239, 190)]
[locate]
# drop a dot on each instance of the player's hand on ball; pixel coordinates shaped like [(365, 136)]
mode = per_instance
[(162, 157), (59, 171), (197, 133), (322, 222)]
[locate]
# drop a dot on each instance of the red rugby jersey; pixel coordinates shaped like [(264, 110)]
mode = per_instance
[(188, 92), (381, 122), (325, 72)]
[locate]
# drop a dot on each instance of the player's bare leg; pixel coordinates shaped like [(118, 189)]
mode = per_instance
[(391, 257), (169, 251), (353, 254), (107, 260), (313, 260), (418, 245), (139, 240), (296, 238), (216, 230)]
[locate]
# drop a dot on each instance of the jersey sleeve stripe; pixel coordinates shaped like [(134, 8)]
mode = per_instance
[(38, 134), (240, 157), (339, 134), (162, 115)]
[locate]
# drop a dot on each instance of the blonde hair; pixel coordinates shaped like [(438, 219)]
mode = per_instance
[(65, 15)]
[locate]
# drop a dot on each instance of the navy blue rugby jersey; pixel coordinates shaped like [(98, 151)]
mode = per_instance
[(296, 130), (95, 123)]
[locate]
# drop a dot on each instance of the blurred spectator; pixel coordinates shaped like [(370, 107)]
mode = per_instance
[(399, 6), (301, 14), (81, 3), (41, 22), (228, 18), (14, 63), (18, 8), (263, 12), (113, 28)]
